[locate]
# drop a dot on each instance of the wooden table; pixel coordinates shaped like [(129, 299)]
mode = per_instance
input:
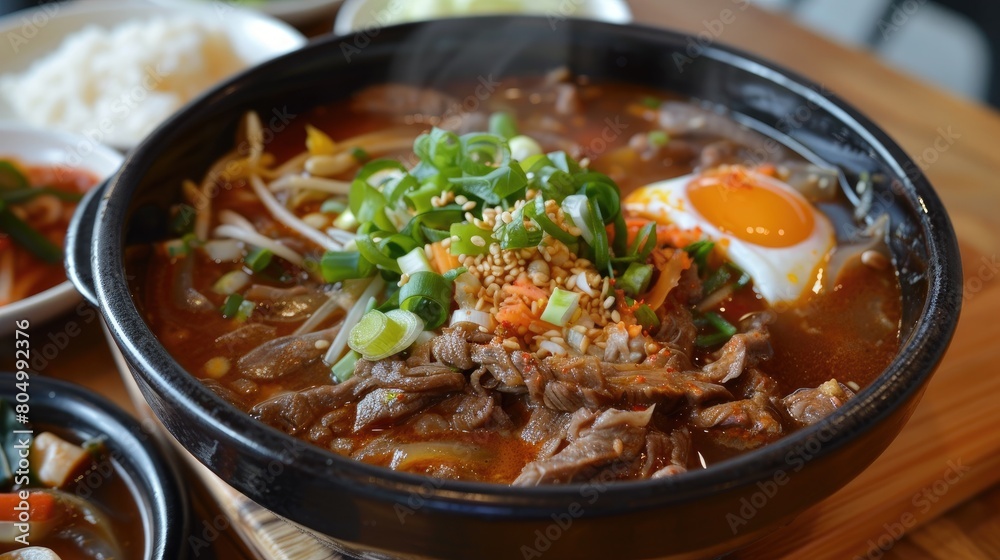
[(956, 421)]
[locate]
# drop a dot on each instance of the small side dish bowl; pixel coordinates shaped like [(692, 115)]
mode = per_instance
[(76, 415), (38, 147), (31, 35)]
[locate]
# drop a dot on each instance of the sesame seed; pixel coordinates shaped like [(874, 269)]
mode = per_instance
[(469, 217), (609, 301), (461, 199), (403, 280), (478, 241), (322, 344), (616, 316), (468, 205)]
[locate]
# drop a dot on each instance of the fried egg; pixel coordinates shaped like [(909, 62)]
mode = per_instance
[(759, 223)]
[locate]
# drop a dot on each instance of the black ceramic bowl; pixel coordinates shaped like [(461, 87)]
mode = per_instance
[(370, 508), (69, 410)]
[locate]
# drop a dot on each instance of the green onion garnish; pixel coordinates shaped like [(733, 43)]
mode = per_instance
[(337, 266), (360, 155), (561, 306), (25, 236), (15, 196), (503, 125), (699, 252), (646, 317), (651, 102), (182, 218), (11, 177), (380, 335), (231, 282), (636, 279), (344, 369), (471, 239), (658, 138), (413, 262), (232, 306), (428, 295), (720, 330), (333, 206), (258, 259)]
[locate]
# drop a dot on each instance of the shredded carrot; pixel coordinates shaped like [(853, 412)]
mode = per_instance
[(522, 287), (442, 259), (515, 312), (670, 275)]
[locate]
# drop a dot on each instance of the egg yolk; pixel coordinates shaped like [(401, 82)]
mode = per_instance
[(750, 210)]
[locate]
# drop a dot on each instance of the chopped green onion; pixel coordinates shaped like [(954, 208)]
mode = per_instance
[(380, 335), (468, 239), (23, 234), (333, 206), (658, 138), (699, 252), (536, 211), (588, 218), (414, 261), (651, 102), (429, 295), (245, 310), (16, 196), (420, 199), (258, 259), (231, 282), (644, 242), (522, 147), (344, 369), (182, 218), (646, 317), (503, 125), (176, 248), (337, 266), (561, 306), (515, 235), (636, 279), (232, 306), (11, 177), (721, 330), (346, 221), (360, 155)]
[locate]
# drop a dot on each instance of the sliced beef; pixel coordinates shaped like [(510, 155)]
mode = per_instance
[(473, 411), (613, 439), (808, 406), (383, 407), (285, 305), (454, 346), (666, 455), (294, 412), (640, 386), (392, 373), (246, 338), (497, 361), (677, 330), (300, 355), (743, 424), (744, 350), (566, 383)]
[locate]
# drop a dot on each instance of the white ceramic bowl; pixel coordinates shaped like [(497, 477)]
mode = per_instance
[(356, 15), (38, 147), (29, 35), (295, 12)]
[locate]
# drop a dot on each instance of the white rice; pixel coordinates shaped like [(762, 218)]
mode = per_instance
[(115, 85)]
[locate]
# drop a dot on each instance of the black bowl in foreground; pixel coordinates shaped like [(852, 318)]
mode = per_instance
[(369, 508), (69, 410)]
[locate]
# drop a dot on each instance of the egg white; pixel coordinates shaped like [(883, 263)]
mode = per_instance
[(780, 274)]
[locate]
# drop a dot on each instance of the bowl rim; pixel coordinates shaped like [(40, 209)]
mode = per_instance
[(152, 477), (903, 378), (106, 158)]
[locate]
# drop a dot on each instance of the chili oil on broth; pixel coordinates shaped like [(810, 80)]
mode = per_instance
[(849, 333)]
